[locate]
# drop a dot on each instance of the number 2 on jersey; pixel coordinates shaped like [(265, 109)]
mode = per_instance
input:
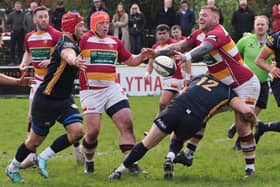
[(207, 84)]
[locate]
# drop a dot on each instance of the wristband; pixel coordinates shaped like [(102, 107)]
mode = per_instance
[(147, 74), (187, 76), (187, 57)]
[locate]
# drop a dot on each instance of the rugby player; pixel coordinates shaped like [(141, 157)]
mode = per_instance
[(186, 115), (172, 85), (53, 101), (99, 91), (39, 46), (214, 44)]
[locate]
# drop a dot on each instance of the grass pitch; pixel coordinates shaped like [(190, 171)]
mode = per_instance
[(215, 163)]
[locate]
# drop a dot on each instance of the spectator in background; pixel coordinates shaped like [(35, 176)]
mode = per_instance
[(136, 24), (120, 25), (166, 14), (15, 22), (213, 3), (242, 20), (97, 6), (1, 41), (57, 14), (185, 17), (28, 19), (276, 16)]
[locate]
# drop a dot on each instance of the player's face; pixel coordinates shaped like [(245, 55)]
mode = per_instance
[(207, 19), (41, 19), (80, 30), (162, 36), (261, 26), (102, 28), (176, 34)]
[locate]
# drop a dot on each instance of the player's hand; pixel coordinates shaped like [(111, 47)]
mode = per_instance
[(23, 68), (147, 78), (80, 63), (25, 81), (148, 53), (275, 72), (44, 63)]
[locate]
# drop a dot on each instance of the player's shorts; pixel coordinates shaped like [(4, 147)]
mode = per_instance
[(249, 91), (100, 100), (173, 84), (275, 87), (46, 111), (34, 88), (184, 125), (263, 98)]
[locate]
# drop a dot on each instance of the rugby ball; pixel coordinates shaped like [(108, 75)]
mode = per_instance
[(164, 66)]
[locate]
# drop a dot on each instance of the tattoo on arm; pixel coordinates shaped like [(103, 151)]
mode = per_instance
[(169, 50), (198, 52)]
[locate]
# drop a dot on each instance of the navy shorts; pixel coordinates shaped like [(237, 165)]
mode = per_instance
[(275, 87), (184, 125), (263, 98), (46, 111)]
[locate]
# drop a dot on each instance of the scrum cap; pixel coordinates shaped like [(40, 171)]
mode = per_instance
[(69, 21), (99, 16)]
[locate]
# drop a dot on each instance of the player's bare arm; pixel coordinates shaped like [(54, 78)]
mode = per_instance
[(26, 61), (70, 57), (135, 60), (149, 70), (260, 61), (196, 53), (22, 81), (169, 50)]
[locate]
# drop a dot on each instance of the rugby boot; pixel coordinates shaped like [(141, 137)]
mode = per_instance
[(115, 175), (231, 131), (80, 158), (259, 130), (184, 158), (89, 167), (42, 167), (29, 161), (14, 176), (249, 172), (134, 168), (168, 170)]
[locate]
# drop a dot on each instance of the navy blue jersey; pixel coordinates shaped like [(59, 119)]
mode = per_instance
[(273, 42), (204, 96), (58, 82)]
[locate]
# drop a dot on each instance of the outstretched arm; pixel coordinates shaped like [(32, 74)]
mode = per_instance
[(196, 53), (69, 55)]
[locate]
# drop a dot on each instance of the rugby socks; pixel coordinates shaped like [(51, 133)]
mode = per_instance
[(76, 144), (248, 146), (21, 154), (193, 142), (89, 150), (126, 148), (174, 147), (272, 126), (58, 145), (136, 154)]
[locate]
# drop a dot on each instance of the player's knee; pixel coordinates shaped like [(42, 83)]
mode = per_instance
[(162, 106), (249, 117)]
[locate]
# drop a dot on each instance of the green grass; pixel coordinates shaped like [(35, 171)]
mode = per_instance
[(215, 163)]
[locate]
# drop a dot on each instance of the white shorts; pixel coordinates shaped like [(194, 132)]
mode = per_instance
[(173, 84), (99, 100), (34, 88), (249, 91)]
